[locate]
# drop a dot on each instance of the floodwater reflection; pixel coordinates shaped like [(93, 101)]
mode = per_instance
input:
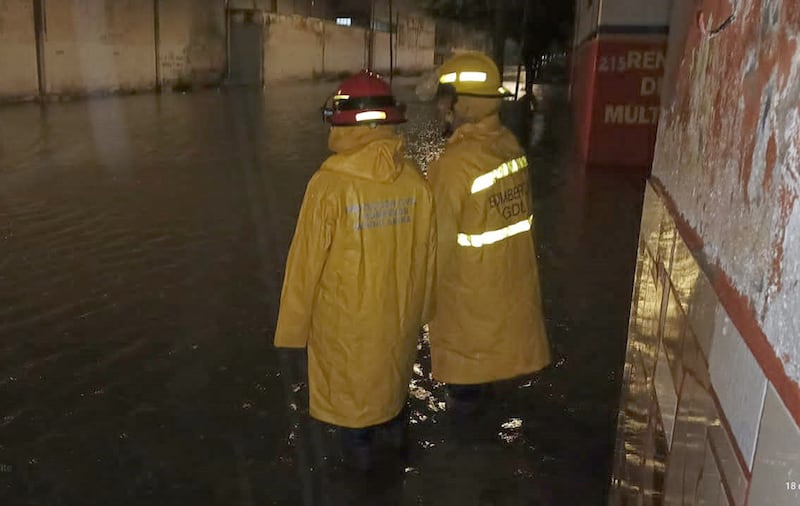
[(143, 241)]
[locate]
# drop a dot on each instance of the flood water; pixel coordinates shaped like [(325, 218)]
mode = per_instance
[(142, 243)]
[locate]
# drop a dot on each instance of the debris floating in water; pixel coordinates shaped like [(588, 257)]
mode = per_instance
[(513, 423), (511, 430)]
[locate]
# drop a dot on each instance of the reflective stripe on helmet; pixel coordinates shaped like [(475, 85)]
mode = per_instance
[(370, 116), (449, 78), (463, 77), (494, 236), (487, 180), (472, 77)]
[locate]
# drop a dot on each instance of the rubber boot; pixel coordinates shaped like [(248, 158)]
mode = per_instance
[(464, 400), (358, 448), (395, 433)]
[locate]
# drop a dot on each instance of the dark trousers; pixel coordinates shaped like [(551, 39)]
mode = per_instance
[(466, 393), (466, 400), (360, 438)]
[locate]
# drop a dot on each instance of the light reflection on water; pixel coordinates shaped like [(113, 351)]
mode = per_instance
[(139, 283)]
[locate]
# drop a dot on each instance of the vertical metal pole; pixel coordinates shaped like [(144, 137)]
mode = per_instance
[(523, 49), (227, 41), (499, 35), (324, 46), (574, 47), (391, 45), (371, 36), (157, 43), (40, 29), (262, 19)]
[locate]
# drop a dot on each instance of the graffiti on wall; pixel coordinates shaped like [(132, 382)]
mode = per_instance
[(175, 64)]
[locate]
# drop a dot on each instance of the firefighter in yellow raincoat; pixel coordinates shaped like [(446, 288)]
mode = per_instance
[(360, 272), (489, 324)]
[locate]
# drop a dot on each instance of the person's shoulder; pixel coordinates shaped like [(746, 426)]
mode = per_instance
[(509, 140), (322, 177), (412, 177), (323, 186), (453, 154), (468, 150), (412, 171)]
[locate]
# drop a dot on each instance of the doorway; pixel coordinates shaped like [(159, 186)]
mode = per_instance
[(245, 47)]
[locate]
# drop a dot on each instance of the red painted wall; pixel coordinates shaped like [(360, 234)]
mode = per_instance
[(583, 93)]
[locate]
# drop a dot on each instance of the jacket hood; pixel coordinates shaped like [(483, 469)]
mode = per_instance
[(373, 153), (488, 127), (473, 109)]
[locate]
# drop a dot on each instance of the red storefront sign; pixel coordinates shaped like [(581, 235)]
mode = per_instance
[(626, 103)]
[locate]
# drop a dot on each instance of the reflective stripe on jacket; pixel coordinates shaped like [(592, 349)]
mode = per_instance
[(489, 324)]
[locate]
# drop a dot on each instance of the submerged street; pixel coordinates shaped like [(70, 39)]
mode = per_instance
[(142, 247)]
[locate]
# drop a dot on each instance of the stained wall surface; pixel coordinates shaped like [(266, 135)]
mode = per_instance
[(106, 46), (18, 78), (711, 404)]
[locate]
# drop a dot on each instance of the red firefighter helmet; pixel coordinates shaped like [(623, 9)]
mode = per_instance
[(364, 99)]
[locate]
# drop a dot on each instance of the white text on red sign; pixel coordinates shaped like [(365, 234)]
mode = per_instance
[(634, 60), (631, 114)]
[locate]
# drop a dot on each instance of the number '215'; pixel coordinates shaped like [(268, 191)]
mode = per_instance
[(612, 64)]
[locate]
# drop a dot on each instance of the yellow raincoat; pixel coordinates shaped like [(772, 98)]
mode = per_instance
[(488, 324), (359, 277)]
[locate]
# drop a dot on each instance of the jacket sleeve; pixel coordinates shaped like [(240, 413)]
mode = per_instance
[(449, 191), (307, 256), (431, 279)]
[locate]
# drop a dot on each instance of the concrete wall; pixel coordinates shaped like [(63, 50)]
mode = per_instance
[(297, 47), (293, 47), (99, 45), (283, 6), (451, 37), (586, 20), (415, 41), (192, 42), (718, 287), (18, 74), (306, 8), (344, 49), (630, 12), (380, 58)]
